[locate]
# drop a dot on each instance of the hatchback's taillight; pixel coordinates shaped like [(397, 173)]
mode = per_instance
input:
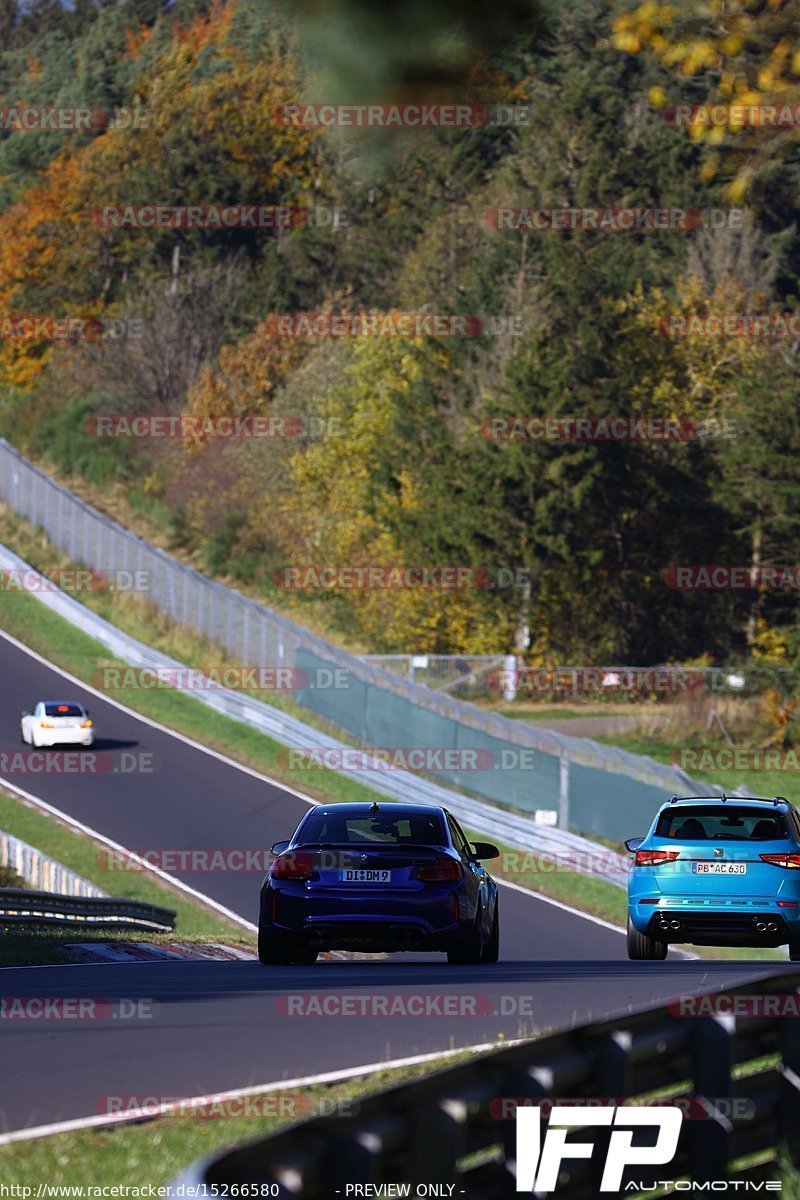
[(792, 861), (296, 864), (86, 724), (654, 858), (441, 870)]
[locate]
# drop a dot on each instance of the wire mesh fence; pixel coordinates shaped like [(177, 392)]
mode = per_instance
[(456, 674), (610, 791)]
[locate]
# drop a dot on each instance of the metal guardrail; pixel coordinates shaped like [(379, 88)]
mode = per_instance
[(450, 1127), (597, 789), (564, 849), (42, 872), (18, 906)]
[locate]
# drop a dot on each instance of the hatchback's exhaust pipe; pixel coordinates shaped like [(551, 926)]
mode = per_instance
[(772, 926), (663, 923), (674, 924), (761, 926)]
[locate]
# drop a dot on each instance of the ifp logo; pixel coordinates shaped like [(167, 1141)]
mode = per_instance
[(539, 1159)]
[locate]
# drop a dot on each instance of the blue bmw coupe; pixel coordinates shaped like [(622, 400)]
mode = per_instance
[(716, 871), (379, 877)]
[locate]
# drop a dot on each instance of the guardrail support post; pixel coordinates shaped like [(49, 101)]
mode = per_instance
[(789, 1089), (563, 792), (710, 1140)]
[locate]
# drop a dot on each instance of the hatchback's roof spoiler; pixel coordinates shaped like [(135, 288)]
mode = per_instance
[(723, 799)]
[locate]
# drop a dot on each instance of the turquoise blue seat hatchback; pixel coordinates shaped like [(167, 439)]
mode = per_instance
[(716, 871)]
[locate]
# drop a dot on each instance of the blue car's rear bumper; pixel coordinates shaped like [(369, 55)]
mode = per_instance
[(752, 922), (362, 919)]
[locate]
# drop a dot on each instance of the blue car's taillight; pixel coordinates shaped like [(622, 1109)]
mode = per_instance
[(442, 870), (654, 858), (297, 864), (792, 861)]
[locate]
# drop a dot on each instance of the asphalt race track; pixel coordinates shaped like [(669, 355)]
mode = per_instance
[(211, 1026)]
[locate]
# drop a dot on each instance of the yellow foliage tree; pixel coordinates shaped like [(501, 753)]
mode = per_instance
[(751, 50), (208, 137), (687, 377), (337, 514)]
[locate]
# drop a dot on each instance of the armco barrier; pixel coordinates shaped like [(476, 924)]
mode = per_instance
[(592, 788), (21, 907), (40, 871), (453, 1128), (562, 848)]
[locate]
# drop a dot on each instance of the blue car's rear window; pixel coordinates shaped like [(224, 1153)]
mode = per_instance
[(722, 823), (418, 829)]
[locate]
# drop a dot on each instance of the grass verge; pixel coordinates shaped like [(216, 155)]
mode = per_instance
[(155, 1151), (194, 921), (666, 750), (23, 616)]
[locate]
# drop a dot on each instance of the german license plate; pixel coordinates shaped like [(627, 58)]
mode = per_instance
[(719, 868), (361, 875)]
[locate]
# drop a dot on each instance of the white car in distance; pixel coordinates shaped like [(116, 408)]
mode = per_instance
[(57, 723)]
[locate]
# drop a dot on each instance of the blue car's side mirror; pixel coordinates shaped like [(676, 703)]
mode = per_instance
[(633, 844)]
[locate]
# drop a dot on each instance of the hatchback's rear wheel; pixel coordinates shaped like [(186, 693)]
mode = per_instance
[(640, 946), (794, 949)]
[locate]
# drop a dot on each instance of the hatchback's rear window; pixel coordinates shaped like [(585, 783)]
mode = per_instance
[(63, 710), (419, 829), (722, 823)]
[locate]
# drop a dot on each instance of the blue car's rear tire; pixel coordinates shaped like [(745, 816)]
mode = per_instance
[(794, 949), (304, 956), (640, 946), (491, 951), (275, 948), (469, 948)]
